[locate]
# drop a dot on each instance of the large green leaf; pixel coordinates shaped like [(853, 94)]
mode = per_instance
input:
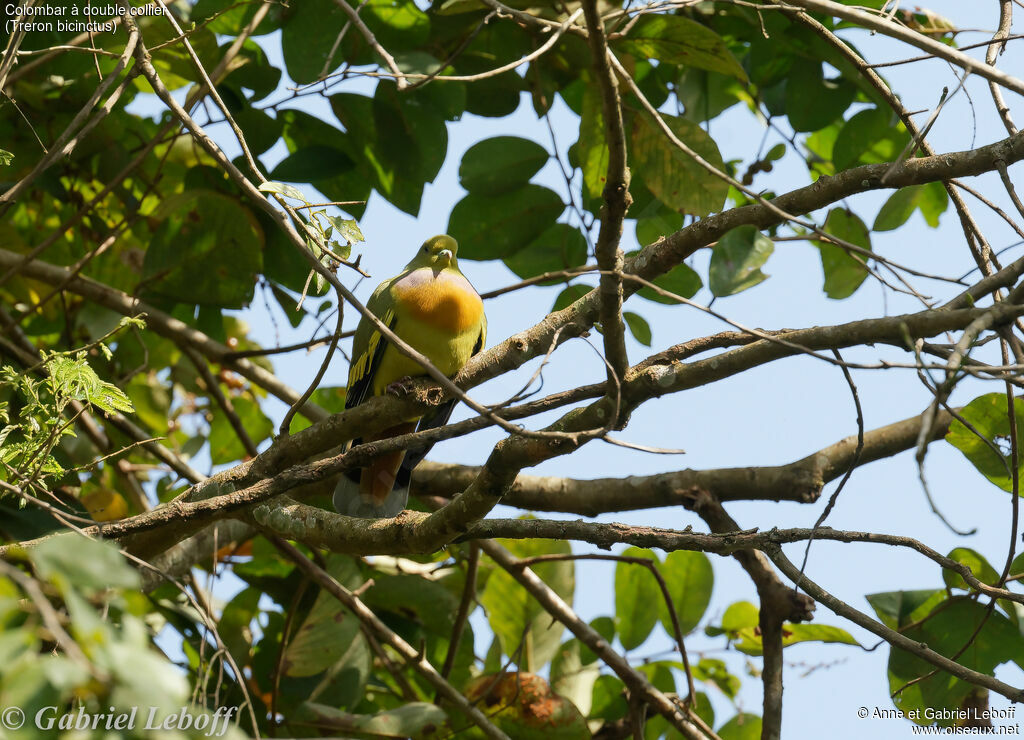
[(681, 280), (375, 160), (988, 415), (743, 726), (671, 174), (608, 700), (303, 132), (897, 609), (414, 598), (525, 630), (308, 37), (186, 256), (413, 134), (844, 271), (689, 579), (812, 102), (931, 198), (591, 147), (571, 678), (675, 39), (979, 638), (558, 248), (651, 227), (706, 94), (636, 598), (570, 295), (494, 228), (225, 446), (737, 259), (499, 164), (871, 136), (638, 327), (260, 130), (72, 560), (979, 567), (316, 162), (328, 630)]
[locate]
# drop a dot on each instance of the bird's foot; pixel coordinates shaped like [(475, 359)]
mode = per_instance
[(400, 387)]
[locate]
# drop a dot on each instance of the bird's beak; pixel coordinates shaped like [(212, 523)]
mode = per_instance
[(446, 255)]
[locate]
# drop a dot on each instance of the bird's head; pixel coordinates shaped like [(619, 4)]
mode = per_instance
[(437, 252)]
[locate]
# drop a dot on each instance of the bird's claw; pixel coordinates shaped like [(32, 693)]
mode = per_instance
[(400, 387)]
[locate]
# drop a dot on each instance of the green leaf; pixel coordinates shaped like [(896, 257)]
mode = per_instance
[(347, 228), (225, 446), (185, 259), (675, 39), (408, 720), (991, 639), (570, 295), (591, 147), (737, 259), (608, 701), (813, 102), (416, 599), (526, 631), (844, 272), (931, 198), (604, 626), (412, 137), (706, 94), (497, 165), (715, 671), (979, 567), (74, 379), (651, 228), (638, 327), (636, 594), (309, 164), (671, 174), (328, 630), (560, 247), (498, 227), (743, 726), (378, 161), (896, 609), (689, 579), (988, 415), (571, 678), (794, 633), (680, 280), (869, 137), (308, 38), (5, 158), (75, 561)]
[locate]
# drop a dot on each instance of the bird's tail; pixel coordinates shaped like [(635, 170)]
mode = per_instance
[(350, 500), (375, 492)]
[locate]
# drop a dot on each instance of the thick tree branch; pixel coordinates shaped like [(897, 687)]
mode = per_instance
[(801, 480), (616, 201)]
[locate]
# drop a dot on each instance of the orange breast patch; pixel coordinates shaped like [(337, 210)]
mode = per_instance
[(447, 304)]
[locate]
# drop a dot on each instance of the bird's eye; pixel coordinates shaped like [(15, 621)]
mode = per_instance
[(424, 249)]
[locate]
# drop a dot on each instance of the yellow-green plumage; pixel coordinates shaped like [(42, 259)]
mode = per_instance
[(434, 308)]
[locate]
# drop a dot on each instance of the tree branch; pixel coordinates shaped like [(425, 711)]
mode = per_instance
[(616, 201)]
